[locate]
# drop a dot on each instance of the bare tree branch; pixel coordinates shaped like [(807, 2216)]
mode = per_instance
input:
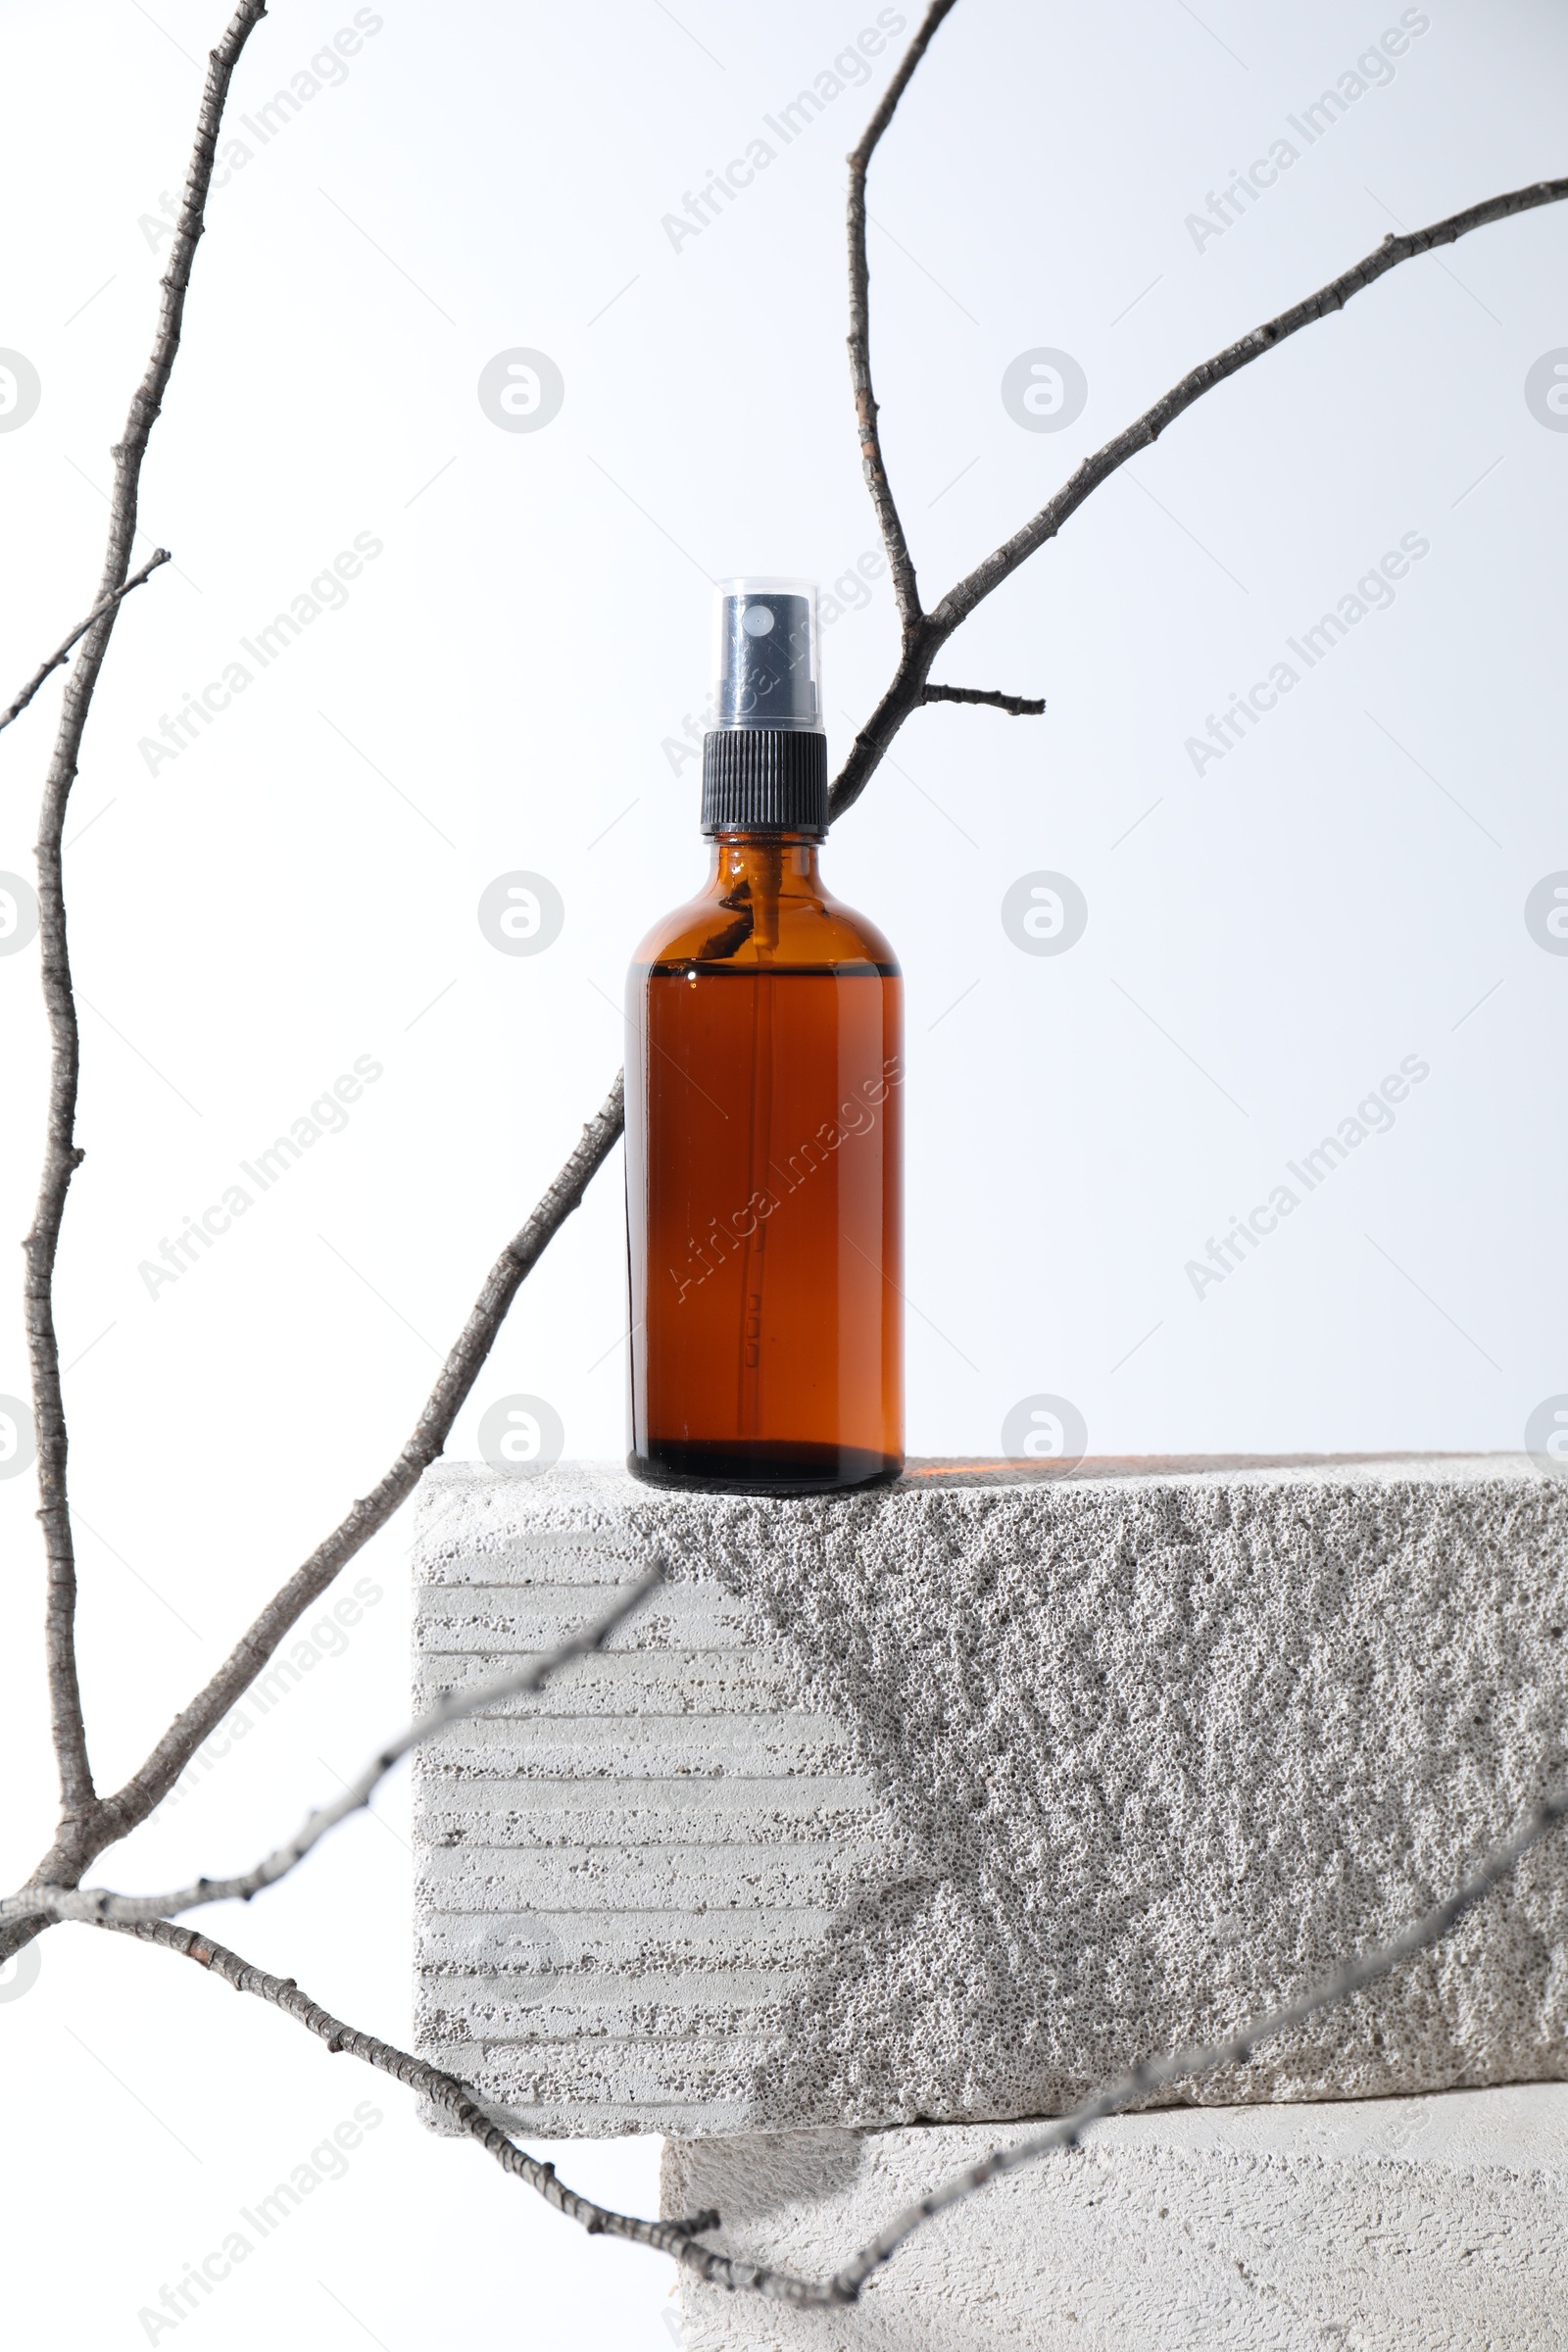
[(44, 669), (458, 2103), (922, 643), (113, 1817), (83, 1835), (1157, 2073), (1017, 705), (900, 563), (62, 1153), (103, 1907)]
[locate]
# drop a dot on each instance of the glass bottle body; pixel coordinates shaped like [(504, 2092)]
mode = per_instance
[(764, 1185)]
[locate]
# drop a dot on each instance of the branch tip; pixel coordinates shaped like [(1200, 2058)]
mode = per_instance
[(1016, 705)]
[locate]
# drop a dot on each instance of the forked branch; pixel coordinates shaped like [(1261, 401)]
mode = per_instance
[(926, 633)]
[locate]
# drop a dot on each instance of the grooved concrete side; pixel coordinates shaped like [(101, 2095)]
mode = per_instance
[(945, 1803), (1422, 2224), (616, 1878)]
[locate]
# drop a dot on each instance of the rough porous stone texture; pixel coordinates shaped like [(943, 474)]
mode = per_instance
[(948, 1801), (1422, 2224)]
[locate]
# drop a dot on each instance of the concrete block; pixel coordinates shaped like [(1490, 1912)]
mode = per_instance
[(1407, 2224), (946, 1802)]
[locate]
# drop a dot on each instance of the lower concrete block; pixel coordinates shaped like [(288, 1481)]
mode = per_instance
[(1413, 2225)]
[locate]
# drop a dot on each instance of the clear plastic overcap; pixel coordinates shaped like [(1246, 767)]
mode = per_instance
[(768, 668)]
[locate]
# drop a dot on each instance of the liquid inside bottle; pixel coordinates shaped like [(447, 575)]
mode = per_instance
[(764, 1144)]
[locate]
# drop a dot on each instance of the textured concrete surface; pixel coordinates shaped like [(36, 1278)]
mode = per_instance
[(1430, 2224), (946, 1803)]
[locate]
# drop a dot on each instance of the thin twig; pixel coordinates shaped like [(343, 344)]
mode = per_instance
[(1017, 705), (900, 563), (905, 690), (102, 1905), (459, 2105), (44, 669), (1157, 2073), (113, 1817), (62, 1153), (1146, 429)]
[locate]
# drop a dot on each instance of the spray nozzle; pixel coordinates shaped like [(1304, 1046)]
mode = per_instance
[(767, 672)]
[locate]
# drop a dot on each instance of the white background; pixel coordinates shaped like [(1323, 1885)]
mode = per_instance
[(299, 888)]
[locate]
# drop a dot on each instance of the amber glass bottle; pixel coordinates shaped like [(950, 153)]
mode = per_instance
[(763, 1119)]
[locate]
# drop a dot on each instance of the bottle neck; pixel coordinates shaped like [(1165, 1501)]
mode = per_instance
[(769, 861), (758, 779)]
